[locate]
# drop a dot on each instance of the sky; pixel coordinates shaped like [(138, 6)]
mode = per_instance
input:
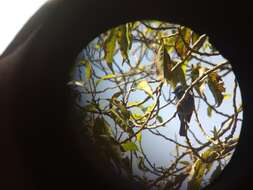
[(13, 15)]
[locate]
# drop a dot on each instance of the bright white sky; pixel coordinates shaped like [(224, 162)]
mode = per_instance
[(13, 15)]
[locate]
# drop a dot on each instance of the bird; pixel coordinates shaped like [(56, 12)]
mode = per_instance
[(185, 108)]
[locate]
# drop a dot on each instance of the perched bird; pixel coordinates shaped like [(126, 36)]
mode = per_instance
[(185, 109)]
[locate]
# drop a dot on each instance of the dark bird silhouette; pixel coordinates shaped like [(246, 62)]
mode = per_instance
[(185, 109)]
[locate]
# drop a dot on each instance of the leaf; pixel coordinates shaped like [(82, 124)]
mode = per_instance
[(197, 71), (118, 118), (159, 118), (227, 96), (109, 76), (139, 137), (164, 65), (124, 40), (149, 108), (121, 106), (130, 146), (116, 95), (199, 169), (209, 111), (200, 42), (161, 65), (195, 37), (88, 70), (184, 162), (138, 116), (183, 41), (216, 86), (109, 46), (215, 133), (90, 108), (143, 85)]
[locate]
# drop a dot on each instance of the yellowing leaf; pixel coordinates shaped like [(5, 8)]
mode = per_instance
[(227, 96), (143, 85), (183, 41), (119, 119), (109, 76), (149, 108), (164, 65), (109, 48), (137, 116), (195, 37), (216, 86), (130, 146), (196, 72), (199, 169), (139, 137), (88, 70)]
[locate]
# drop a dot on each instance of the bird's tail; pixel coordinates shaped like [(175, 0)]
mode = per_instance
[(182, 130)]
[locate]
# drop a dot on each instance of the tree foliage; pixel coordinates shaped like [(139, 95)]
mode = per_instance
[(123, 81)]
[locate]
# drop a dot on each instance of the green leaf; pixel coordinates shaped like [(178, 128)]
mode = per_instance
[(124, 40), (161, 65), (143, 85), (184, 162), (159, 118), (109, 48), (109, 76), (130, 146), (209, 111), (216, 86)]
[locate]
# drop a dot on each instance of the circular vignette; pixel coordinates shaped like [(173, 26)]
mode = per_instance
[(161, 103)]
